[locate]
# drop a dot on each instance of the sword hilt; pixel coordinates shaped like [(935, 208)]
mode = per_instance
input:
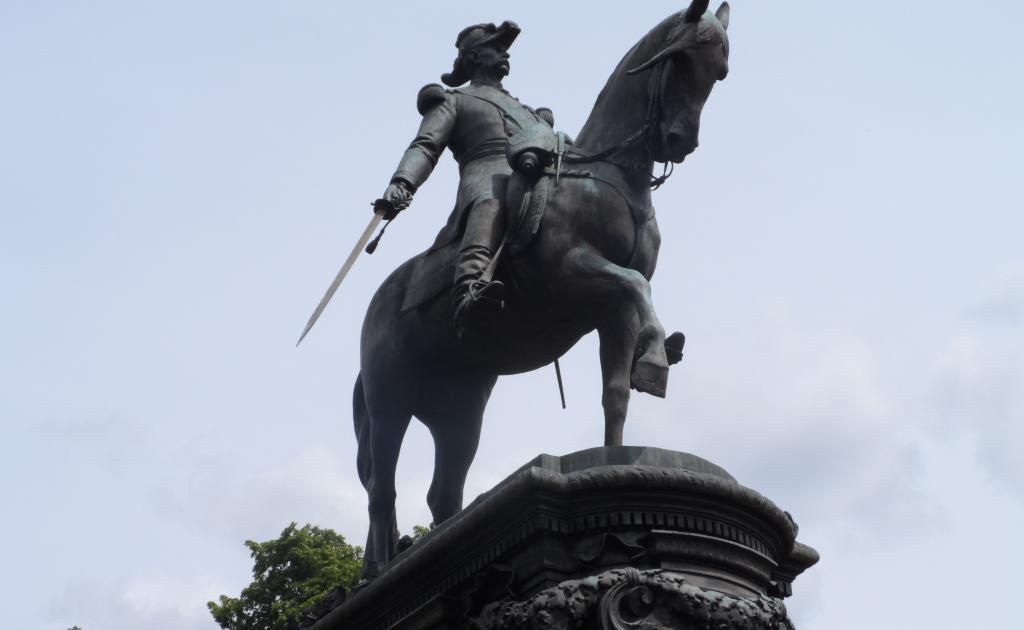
[(386, 209), (372, 245)]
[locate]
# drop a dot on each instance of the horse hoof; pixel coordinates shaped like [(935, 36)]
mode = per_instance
[(650, 378), (405, 542), (674, 347)]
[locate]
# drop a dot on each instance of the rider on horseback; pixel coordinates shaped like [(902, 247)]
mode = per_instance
[(475, 122)]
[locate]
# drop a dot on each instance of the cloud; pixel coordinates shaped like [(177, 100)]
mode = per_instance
[(820, 427), (147, 601), (1004, 304), (306, 486), (226, 491), (978, 381)]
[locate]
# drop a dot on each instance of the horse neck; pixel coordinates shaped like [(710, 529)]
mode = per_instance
[(623, 106), (621, 111)]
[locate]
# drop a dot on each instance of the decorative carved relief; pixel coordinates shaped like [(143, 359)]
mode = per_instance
[(609, 549), (628, 599), (490, 584)]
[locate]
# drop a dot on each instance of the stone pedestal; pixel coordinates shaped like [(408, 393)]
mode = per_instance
[(607, 538)]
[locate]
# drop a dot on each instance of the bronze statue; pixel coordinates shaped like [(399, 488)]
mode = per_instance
[(578, 244), (475, 122)]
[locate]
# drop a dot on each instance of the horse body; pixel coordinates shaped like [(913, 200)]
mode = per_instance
[(587, 269)]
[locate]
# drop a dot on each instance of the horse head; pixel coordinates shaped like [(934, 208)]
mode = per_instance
[(693, 57)]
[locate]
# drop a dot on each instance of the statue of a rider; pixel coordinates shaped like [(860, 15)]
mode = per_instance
[(475, 122)]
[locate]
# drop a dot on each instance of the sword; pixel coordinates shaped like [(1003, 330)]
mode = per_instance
[(381, 208), (559, 151)]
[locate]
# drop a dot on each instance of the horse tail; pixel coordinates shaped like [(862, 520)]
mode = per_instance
[(361, 419)]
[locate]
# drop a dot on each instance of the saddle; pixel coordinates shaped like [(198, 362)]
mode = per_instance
[(529, 151), (525, 200), (534, 153)]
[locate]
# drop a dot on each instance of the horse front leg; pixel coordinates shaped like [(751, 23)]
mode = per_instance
[(595, 276), (618, 343), (454, 414)]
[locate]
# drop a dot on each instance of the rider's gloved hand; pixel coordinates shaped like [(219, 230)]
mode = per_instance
[(398, 195)]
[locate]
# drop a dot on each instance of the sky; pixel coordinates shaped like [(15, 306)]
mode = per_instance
[(180, 181)]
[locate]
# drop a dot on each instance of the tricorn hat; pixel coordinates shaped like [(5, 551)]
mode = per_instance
[(474, 36)]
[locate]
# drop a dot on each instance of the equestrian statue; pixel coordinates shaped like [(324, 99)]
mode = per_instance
[(550, 238)]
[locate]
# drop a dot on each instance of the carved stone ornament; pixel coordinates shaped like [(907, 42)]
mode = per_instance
[(629, 599), (611, 538)]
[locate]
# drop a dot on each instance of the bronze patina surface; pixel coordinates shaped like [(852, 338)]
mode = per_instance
[(582, 244)]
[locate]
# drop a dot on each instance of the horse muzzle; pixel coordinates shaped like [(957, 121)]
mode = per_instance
[(678, 143)]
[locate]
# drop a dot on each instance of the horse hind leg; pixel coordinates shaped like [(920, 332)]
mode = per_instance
[(385, 441), (361, 422)]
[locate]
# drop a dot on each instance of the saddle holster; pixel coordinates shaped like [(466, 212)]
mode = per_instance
[(532, 148)]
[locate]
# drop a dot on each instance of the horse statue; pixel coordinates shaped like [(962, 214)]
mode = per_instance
[(586, 268)]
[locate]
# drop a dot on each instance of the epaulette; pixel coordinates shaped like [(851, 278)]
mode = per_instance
[(430, 96), (545, 114)]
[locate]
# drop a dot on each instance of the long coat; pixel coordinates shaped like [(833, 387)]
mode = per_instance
[(475, 123)]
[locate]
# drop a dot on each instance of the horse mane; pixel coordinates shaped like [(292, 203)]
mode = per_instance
[(655, 40), (606, 125)]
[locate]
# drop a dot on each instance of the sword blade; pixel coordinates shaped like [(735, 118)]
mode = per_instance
[(561, 388), (360, 244)]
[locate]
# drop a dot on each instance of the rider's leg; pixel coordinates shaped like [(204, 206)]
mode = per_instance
[(475, 299)]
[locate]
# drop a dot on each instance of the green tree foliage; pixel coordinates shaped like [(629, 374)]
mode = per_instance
[(419, 531), (291, 574)]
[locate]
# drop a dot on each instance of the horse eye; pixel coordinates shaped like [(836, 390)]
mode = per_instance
[(684, 61)]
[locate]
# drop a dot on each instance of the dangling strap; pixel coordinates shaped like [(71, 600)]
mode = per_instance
[(666, 171), (492, 266), (561, 388), (509, 106)]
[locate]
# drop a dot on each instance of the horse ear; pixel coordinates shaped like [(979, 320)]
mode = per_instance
[(694, 14), (697, 10), (723, 15)]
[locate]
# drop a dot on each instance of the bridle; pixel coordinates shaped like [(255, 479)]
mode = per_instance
[(655, 109)]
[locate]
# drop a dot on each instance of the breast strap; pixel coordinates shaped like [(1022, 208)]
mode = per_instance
[(510, 107)]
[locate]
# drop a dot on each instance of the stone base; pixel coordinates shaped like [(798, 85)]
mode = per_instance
[(607, 538)]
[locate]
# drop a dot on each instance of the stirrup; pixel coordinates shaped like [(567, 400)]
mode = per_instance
[(482, 300), (483, 291)]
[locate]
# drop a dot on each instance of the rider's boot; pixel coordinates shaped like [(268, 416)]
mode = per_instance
[(477, 301)]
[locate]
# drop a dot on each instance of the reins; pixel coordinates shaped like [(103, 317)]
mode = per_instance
[(654, 111)]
